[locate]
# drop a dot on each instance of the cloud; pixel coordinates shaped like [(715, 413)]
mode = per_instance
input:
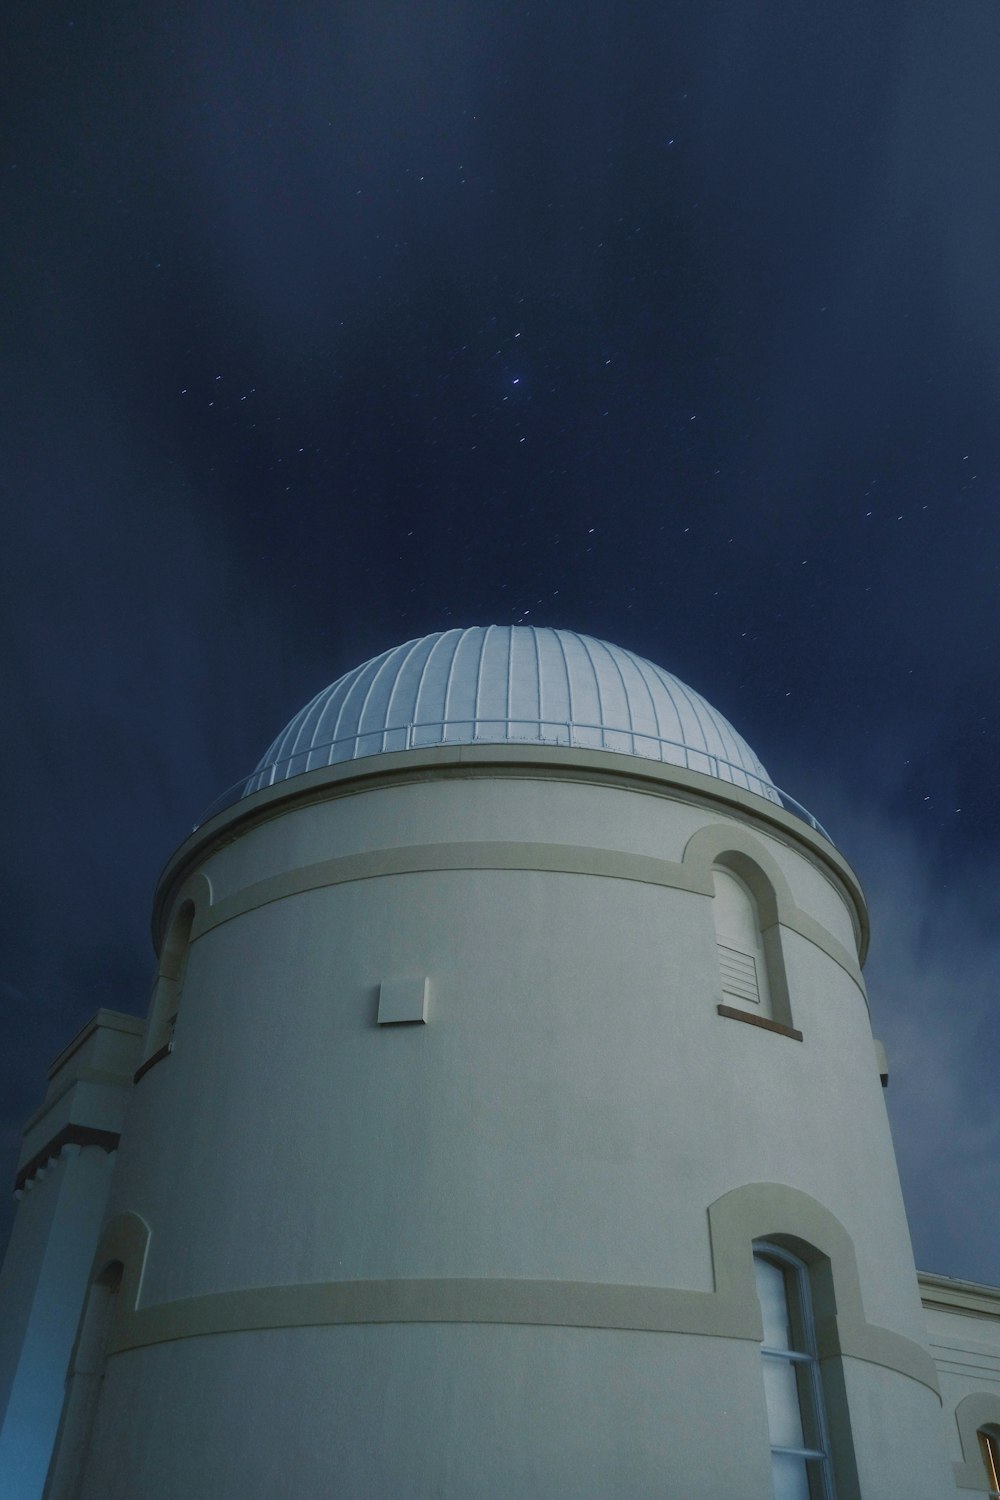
[(933, 977)]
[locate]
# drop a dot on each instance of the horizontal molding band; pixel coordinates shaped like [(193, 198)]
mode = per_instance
[(837, 1338), (419, 859), (560, 859), (561, 1304), (565, 1304), (518, 762)]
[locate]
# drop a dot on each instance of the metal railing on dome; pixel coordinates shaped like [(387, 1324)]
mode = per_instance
[(429, 734)]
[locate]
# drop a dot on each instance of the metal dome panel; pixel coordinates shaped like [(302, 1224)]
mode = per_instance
[(503, 684)]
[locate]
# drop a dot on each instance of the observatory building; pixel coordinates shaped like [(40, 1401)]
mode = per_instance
[(507, 1122)]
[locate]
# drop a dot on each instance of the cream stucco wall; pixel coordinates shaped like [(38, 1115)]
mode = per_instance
[(478, 1256)]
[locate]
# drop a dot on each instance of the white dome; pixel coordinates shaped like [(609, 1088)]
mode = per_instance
[(503, 684)]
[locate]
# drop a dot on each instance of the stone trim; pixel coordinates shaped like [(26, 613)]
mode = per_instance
[(418, 859), (562, 1304), (730, 1311), (534, 762), (718, 842), (152, 1060), (562, 859), (785, 1216), (70, 1135), (732, 1014)]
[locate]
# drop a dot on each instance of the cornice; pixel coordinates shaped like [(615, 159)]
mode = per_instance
[(528, 762)]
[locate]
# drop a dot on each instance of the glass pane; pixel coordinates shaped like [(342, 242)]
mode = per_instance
[(808, 1386), (782, 1396), (773, 1302), (791, 1477)]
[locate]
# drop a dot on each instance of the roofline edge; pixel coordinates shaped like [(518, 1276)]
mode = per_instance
[(558, 762)]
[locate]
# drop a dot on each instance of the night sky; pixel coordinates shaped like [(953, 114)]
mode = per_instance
[(677, 324)]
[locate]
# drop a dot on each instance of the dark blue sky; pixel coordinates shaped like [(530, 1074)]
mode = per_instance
[(677, 324)]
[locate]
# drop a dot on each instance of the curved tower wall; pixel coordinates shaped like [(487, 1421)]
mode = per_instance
[(504, 1249)]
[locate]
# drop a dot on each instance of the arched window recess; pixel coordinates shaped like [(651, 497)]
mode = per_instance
[(748, 945)]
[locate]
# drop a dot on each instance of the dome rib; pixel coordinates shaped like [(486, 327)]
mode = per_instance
[(406, 652), (366, 699), (538, 672), (639, 666), (603, 710), (560, 642)]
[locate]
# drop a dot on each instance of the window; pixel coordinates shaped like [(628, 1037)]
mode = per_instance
[(989, 1447), (740, 945), (800, 1449)]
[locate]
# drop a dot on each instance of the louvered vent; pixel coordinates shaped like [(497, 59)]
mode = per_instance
[(739, 974)]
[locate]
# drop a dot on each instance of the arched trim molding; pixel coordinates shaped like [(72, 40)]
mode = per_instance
[(737, 849), (784, 1216), (973, 1412), (789, 1218), (717, 841), (722, 847), (125, 1240), (187, 922), (197, 890), (748, 857)]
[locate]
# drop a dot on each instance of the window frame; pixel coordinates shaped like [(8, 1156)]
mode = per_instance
[(804, 1359), (989, 1448)]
